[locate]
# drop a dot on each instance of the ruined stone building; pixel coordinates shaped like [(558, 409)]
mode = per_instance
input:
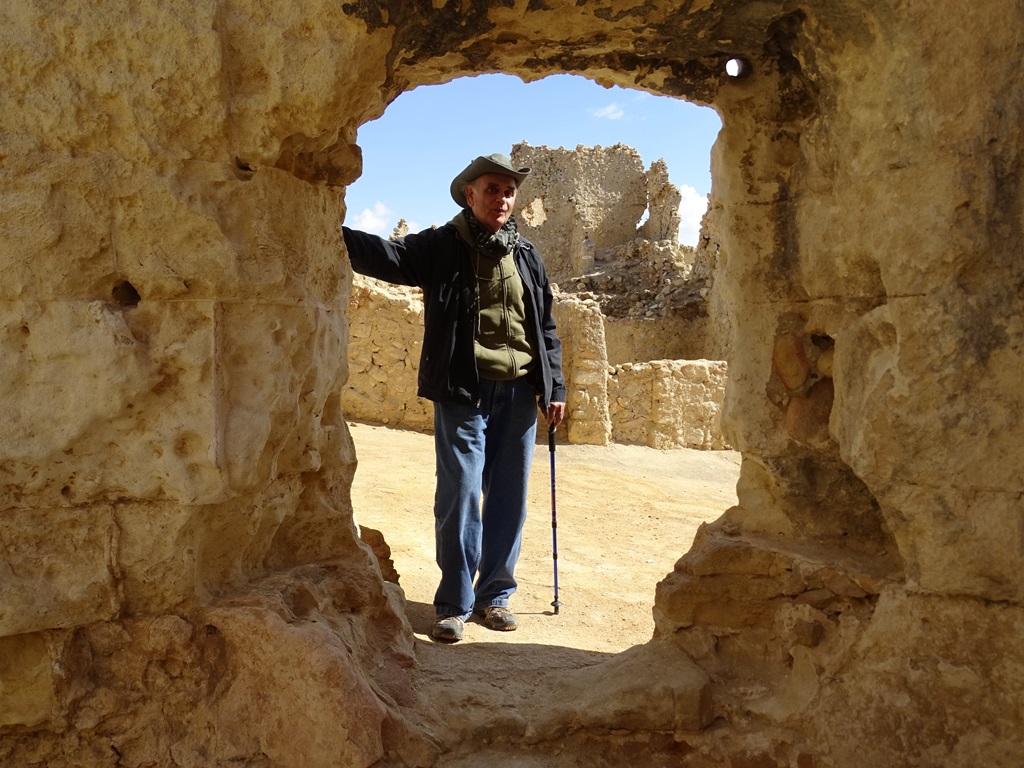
[(181, 582), (626, 292)]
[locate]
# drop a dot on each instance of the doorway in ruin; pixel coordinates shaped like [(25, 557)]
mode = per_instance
[(406, 189)]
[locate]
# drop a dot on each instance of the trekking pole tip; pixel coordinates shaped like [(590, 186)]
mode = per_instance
[(556, 605)]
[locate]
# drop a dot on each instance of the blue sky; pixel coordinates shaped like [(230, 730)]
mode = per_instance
[(428, 135)]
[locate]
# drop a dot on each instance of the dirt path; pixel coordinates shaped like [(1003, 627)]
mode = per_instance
[(625, 515)]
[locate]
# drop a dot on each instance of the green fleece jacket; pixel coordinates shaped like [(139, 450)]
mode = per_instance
[(504, 349)]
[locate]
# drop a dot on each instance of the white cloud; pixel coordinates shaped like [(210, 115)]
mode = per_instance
[(692, 208), (612, 112), (380, 220)]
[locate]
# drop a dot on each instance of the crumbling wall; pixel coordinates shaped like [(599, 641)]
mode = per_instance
[(668, 403), (660, 338), (655, 303), (577, 203), (663, 199), (385, 339)]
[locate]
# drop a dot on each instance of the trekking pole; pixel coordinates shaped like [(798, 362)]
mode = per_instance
[(554, 519)]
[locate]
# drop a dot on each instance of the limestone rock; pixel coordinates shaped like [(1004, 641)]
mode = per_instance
[(579, 202), (618, 694)]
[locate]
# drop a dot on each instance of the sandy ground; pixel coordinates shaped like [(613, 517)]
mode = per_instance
[(625, 515)]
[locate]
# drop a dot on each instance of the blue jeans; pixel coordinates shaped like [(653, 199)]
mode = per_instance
[(485, 449)]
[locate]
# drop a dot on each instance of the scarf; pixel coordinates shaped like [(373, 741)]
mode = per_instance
[(497, 244)]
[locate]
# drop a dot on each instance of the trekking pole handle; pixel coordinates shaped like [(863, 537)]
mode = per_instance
[(551, 438)]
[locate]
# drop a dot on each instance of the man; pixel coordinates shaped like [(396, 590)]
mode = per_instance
[(490, 356)]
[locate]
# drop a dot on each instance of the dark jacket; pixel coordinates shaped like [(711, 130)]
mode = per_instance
[(439, 262)]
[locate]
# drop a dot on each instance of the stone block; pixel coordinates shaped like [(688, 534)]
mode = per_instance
[(59, 568), (279, 365), (301, 669), (27, 689), (120, 407), (158, 554)]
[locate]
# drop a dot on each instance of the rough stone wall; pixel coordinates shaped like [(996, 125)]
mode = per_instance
[(179, 562), (385, 339), (182, 573), (668, 403), (658, 338), (681, 406), (663, 199), (578, 203), (585, 366), (870, 392)]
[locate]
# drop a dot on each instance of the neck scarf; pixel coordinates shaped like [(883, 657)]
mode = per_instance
[(497, 244)]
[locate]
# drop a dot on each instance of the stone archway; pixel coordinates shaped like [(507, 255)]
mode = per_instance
[(182, 569)]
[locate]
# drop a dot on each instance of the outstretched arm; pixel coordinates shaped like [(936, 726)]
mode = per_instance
[(395, 261)]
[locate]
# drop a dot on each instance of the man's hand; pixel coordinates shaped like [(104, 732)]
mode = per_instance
[(555, 414)]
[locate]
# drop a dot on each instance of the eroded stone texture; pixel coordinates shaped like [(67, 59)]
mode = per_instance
[(579, 202), (173, 338), (663, 199), (385, 341), (668, 403)]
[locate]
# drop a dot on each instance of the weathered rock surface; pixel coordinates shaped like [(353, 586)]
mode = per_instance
[(177, 533), (579, 203)]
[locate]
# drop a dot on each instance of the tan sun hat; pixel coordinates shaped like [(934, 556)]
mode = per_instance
[(496, 163)]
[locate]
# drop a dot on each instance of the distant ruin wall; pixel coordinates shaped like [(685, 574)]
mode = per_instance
[(577, 203), (680, 407), (385, 339), (668, 403)]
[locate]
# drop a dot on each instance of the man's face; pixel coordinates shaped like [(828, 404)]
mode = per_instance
[(492, 197)]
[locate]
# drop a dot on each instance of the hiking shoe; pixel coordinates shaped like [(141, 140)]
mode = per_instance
[(447, 628), (499, 617)]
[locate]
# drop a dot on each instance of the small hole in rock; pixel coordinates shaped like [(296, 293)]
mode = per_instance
[(125, 295), (737, 68)]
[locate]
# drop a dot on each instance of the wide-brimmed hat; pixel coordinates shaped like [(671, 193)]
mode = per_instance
[(496, 163)]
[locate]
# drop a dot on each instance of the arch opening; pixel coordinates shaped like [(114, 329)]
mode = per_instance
[(617, 178)]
